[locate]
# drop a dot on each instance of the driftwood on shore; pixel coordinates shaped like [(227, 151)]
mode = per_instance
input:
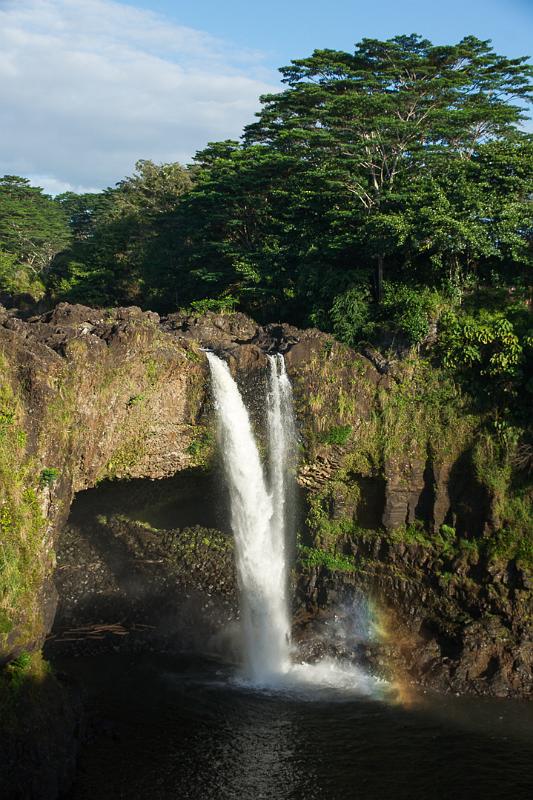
[(95, 631)]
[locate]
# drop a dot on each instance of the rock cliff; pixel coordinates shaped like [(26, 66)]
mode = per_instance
[(397, 498)]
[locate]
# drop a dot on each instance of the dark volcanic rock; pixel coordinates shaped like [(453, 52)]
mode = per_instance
[(122, 394), (123, 584), (439, 627)]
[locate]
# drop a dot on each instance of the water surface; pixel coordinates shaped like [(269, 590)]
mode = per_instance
[(184, 729)]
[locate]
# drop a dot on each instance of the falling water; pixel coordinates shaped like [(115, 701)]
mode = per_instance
[(281, 442), (258, 515), (261, 514)]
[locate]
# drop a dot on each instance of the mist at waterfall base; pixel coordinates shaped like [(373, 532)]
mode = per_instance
[(260, 519)]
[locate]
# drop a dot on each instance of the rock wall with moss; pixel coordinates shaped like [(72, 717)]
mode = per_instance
[(414, 499), (410, 496), (84, 395)]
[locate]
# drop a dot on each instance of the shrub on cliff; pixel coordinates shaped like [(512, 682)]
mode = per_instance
[(405, 310)]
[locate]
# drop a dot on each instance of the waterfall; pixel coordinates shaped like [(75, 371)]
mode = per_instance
[(262, 510), (281, 445), (258, 515)]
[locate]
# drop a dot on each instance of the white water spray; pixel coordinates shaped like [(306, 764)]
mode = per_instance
[(258, 518), (261, 517)]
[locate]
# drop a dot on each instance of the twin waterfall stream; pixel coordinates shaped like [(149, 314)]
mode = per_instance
[(262, 510), (258, 515)]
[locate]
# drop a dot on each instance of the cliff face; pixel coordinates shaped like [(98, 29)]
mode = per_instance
[(407, 500), (85, 395), (415, 507)]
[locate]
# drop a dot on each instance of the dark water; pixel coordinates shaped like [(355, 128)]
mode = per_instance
[(180, 729)]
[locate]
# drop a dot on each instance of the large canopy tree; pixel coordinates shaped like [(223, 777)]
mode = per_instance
[(368, 124)]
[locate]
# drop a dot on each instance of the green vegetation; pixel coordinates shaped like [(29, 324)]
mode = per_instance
[(508, 544), (444, 546), (338, 434), (404, 310), (49, 476), (21, 685), (123, 242), (33, 230), (489, 348), (201, 446), (313, 557), (136, 400), (220, 305), (21, 520)]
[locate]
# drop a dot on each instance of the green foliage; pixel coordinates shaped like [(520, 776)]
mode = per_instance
[(509, 544), (487, 342), (33, 229), (136, 400), (48, 477), (314, 557), (18, 669), (338, 434), (443, 542), (405, 310), (21, 521), (411, 310), (446, 539), (201, 446), (193, 356), (83, 212), (351, 315), (488, 346), (385, 134), (124, 240), (152, 372), (447, 531), (509, 486), (219, 305), (21, 682), (423, 411)]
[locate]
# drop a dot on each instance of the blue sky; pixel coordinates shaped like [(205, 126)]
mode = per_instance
[(87, 87), (286, 29)]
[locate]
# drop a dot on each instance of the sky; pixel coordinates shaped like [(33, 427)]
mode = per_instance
[(87, 87)]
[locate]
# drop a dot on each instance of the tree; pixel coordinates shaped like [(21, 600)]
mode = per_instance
[(33, 229), (238, 237), (123, 238), (367, 124), (83, 212)]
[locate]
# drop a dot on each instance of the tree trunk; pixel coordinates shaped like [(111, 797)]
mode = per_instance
[(378, 279)]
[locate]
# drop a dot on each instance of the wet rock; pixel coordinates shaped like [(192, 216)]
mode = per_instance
[(435, 628)]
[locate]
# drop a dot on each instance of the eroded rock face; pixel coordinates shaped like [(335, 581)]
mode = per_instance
[(146, 565), (87, 394), (93, 394), (448, 622)]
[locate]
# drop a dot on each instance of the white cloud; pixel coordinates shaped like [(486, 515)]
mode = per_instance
[(52, 185), (89, 86)]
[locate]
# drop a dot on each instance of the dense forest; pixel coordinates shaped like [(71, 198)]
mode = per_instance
[(383, 195)]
